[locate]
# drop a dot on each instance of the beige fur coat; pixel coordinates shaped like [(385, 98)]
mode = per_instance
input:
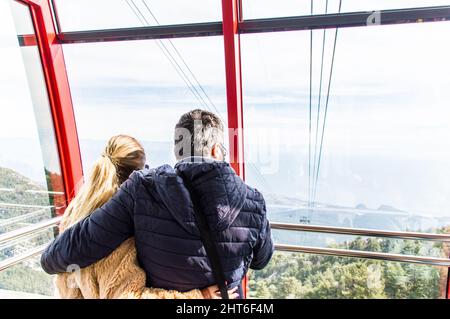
[(114, 277)]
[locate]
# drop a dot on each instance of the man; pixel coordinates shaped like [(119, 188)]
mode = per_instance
[(155, 207)]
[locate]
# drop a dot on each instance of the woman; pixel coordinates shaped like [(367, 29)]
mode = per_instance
[(117, 275)]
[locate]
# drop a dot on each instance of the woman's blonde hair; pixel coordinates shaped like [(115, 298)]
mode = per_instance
[(123, 155)]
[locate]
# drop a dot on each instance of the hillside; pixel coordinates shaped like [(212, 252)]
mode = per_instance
[(20, 206), (14, 188), (309, 276)]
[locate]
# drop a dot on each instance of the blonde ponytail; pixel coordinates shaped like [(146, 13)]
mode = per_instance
[(123, 154)]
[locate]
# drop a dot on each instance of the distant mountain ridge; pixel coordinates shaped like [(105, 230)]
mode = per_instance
[(385, 217), (14, 187), (280, 208), (11, 179)]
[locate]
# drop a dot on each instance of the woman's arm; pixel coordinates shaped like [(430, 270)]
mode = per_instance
[(97, 235), (120, 276)]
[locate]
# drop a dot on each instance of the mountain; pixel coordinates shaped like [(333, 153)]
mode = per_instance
[(18, 189), (11, 179), (389, 208), (286, 209), (22, 201)]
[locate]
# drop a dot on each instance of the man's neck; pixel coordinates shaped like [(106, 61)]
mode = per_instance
[(198, 159)]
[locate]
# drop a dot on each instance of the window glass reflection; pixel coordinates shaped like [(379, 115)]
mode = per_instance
[(141, 88), (254, 9), (77, 15)]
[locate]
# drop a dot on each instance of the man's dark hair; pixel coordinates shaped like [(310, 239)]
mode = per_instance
[(196, 133)]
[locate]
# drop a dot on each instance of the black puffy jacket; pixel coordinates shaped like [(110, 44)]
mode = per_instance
[(155, 207)]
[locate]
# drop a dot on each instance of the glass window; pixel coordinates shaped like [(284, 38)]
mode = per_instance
[(141, 88), (309, 276), (31, 174), (254, 9), (385, 151), (31, 188), (77, 15), (26, 280), (385, 158)]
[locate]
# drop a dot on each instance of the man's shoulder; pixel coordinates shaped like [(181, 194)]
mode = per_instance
[(148, 173), (135, 181), (148, 178), (254, 194), (256, 198)]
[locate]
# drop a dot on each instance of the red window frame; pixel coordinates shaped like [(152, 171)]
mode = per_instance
[(231, 18), (231, 15), (60, 99), (55, 74)]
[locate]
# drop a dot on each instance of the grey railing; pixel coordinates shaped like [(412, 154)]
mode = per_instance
[(22, 233), (362, 232), (28, 230), (435, 261), (21, 257)]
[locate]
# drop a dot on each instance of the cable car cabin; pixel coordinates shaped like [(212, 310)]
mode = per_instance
[(337, 112)]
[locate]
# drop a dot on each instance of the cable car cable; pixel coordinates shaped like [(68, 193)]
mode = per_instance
[(135, 13), (183, 60), (310, 109), (319, 97), (258, 174), (183, 75), (172, 60), (326, 107)]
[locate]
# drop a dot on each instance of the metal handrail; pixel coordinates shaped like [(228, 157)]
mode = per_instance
[(434, 261), (22, 257), (24, 231), (362, 232), (33, 191), (25, 205), (17, 219)]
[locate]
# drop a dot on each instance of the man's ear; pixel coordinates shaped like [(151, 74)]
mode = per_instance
[(216, 152)]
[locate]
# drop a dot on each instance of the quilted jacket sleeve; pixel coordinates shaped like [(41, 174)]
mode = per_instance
[(96, 236), (263, 250)]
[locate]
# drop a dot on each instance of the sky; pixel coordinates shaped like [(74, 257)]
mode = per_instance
[(387, 122)]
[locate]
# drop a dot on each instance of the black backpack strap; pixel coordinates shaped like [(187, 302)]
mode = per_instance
[(210, 247)]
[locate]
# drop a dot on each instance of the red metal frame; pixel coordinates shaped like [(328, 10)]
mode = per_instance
[(61, 103), (447, 295), (28, 40), (231, 18), (231, 13), (59, 94)]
